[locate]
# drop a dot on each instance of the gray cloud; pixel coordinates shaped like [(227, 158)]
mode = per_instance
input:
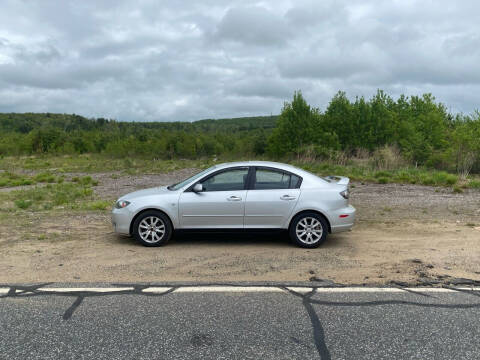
[(188, 60), (253, 26)]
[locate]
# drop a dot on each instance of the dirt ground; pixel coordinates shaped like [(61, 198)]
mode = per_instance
[(405, 234)]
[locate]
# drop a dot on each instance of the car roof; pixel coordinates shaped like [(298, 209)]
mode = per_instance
[(259, 163), (307, 176)]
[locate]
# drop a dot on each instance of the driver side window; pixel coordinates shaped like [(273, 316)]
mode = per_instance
[(227, 180)]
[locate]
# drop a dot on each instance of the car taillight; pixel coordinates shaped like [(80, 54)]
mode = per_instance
[(345, 194)]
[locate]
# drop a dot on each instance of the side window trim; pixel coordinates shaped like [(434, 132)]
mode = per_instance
[(206, 177), (253, 177)]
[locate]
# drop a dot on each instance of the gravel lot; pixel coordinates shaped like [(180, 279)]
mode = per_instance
[(404, 234)]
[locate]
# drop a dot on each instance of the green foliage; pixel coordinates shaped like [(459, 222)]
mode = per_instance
[(395, 133), (457, 189), (23, 204), (382, 180), (405, 175), (465, 144), (10, 179), (86, 180), (97, 205), (298, 126), (474, 184), (415, 130), (50, 196), (45, 177)]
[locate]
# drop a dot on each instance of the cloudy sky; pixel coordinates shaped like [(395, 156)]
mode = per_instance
[(187, 60)]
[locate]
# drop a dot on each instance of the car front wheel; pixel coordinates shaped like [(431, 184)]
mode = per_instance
[(308, 230), (152, 228)]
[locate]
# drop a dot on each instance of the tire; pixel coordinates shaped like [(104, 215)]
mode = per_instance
[(156, 220), (308, 230)]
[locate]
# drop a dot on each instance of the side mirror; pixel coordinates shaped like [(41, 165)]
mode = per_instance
[(197, 188)]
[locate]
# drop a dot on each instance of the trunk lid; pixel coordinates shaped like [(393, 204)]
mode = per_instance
[(338, 180)]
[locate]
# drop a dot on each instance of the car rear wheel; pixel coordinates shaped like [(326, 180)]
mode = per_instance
[(308, 230), (152, 228)]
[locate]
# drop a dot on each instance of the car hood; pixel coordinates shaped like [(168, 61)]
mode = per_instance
[(145, 192)]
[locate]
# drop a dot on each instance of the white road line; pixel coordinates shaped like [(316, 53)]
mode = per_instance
[(92, 289), (245, 289), (298, 289), (377, 289), (201, 289), (157, 290)]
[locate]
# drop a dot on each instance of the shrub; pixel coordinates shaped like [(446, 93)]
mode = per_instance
[(382, 180), (388, 158), (457, 189), (44, 177), (23, 204), (380, 174), (98, 205), (443, 178), (86, 180), (474, 184)]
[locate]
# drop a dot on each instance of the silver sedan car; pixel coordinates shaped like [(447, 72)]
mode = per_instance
[(250, 195)]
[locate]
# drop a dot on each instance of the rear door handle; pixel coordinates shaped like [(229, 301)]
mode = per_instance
[(288, 197), (234, 198)]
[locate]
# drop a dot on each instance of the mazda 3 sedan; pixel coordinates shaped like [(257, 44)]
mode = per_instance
[(251, 195)]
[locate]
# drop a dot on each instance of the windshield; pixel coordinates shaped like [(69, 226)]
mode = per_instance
[(189, 180)]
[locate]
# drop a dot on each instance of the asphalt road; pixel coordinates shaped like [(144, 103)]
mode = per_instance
[(260, 323)]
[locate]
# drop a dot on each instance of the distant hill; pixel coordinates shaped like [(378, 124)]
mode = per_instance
[(26, 122)]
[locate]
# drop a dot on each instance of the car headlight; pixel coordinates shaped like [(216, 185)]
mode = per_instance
[(120, 204)]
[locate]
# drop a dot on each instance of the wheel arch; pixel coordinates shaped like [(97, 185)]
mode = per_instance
[(130, 230), (310, 211)]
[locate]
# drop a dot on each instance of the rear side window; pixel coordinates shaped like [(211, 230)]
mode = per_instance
[(268, 179), (295, 182)]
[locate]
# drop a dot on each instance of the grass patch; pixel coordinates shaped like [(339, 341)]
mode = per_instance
[(10, 179), (474, 184), (51, 169), (95, 163), (97, 205), (457, 189), (51, 196), (382, 180), (382, 174), (86, 180), (45, 177), (23, 204), (367, 174)]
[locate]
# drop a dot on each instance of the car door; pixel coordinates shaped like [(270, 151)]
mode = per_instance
[(221, 204), (271, 199)]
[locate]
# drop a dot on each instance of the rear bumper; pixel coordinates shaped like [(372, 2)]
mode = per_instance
[(343, 219)]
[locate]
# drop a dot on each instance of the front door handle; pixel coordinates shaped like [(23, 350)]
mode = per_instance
[(234, 198), (288, 197)]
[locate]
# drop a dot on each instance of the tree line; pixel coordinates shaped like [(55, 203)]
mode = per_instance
[(421, 129)]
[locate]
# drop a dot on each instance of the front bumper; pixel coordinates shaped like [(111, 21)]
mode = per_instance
[(342, 219), (121, 219)]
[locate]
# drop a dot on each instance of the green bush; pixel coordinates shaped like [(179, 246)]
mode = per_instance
[(474, 184), (23, 204), (382, 180), (52, 195), (457, 189), (98, 205), (86, 180), (45, 177), (382, 174)]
